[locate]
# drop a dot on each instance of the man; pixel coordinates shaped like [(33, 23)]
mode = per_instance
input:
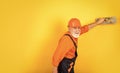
[(66, 51)]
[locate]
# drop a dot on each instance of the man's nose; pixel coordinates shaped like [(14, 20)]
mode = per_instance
[(78, 29)]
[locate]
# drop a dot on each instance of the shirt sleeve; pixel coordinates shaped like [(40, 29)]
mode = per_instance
[(84, 29), (63, 47)]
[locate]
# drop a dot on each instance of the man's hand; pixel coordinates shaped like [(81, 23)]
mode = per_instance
[(55, 70), (97, 22), (100, 20)]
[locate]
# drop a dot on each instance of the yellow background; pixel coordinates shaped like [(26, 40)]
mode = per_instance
[(30, 30)]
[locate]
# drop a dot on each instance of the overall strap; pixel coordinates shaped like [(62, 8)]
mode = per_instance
[(73, 43)]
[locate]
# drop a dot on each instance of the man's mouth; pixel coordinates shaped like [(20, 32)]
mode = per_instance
[(77, 33)]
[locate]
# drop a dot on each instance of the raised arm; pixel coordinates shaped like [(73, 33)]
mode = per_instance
[(99, 21)]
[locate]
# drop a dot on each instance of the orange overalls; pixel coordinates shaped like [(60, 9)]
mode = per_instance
[(66, 52)]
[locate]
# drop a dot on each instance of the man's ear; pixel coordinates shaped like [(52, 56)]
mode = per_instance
[(69, 29)]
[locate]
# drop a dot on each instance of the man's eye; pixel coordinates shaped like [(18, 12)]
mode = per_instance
[(76, 28)]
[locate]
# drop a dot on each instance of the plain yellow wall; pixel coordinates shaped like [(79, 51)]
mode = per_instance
[(30, 30)]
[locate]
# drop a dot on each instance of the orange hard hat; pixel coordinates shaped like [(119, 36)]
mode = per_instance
[(74, 22)]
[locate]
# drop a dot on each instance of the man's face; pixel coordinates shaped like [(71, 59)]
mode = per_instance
[(75, 31)]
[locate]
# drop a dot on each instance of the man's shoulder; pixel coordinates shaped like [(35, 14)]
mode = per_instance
[(65, 37)]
